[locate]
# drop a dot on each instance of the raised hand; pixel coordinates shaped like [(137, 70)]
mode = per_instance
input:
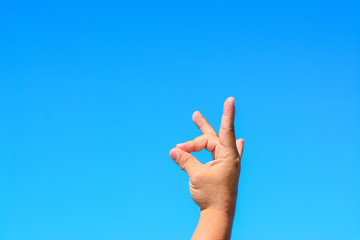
[(213, 186)]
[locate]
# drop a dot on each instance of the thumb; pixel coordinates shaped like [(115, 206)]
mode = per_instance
[(185, 161)]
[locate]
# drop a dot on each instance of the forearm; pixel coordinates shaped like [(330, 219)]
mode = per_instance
[(214, 225)]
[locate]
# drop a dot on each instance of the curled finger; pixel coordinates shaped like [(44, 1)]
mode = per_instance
[(206, 141)]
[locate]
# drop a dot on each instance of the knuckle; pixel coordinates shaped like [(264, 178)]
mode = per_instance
[(184, 162), (228, 128)]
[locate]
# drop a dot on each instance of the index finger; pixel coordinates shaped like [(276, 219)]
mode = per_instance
[(227, 130)]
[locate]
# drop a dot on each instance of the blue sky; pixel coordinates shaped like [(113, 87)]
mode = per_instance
[(94, 94)]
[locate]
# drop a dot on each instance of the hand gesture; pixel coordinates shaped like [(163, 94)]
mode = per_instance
[(213, 185)]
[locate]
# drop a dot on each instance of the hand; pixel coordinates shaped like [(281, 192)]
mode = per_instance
[(213, 186)]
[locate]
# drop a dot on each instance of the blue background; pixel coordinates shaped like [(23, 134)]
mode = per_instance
[(94, 94)]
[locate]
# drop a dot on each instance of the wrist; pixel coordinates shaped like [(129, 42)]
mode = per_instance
[(224, 206), (214, 224), (225, 215)]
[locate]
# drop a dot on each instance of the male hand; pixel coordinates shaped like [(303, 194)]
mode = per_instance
[(213, 186)]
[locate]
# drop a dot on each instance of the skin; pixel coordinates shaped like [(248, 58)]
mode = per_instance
[(213, 186)]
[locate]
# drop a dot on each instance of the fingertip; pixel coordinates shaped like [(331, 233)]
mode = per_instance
[(174, 154), (240, 141), (187, 147), (229, 106), (195, 114), (230, 100), (240, 146), (179, 145)]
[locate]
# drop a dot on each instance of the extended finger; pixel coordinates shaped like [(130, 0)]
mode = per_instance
[(227, 131), (206, 141), (202, 124), (185, 161)]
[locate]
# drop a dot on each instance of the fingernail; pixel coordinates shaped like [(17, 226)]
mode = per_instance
[(174, 154), (179, 145)]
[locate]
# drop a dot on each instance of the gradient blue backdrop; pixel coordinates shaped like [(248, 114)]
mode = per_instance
[(93, 95)]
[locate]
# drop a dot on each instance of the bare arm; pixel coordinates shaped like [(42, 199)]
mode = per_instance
[(213, 186)]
